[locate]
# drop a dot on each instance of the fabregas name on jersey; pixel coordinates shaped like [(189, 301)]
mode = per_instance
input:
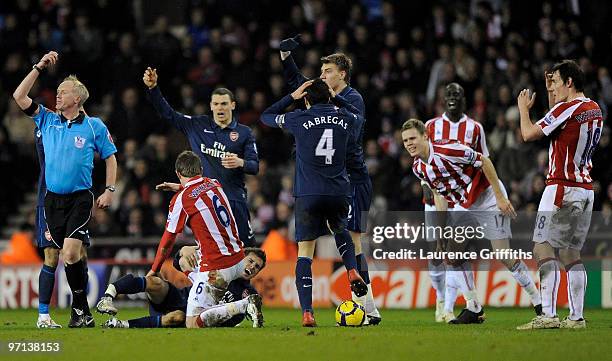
[(330, 119)]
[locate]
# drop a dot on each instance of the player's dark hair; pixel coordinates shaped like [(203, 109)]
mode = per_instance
[(570, 69), (224, 91), (414, 124), (188, 164), (318, 92), (258, 252), (342, 61)]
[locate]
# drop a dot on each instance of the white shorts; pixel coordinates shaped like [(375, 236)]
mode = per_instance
[(484, 213), (430, 221), (564, 216), (203, 294)]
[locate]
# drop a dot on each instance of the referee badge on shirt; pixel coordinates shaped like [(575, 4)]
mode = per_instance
[(234, 136), (79, 142)]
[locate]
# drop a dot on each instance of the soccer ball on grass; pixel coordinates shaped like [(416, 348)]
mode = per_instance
[(350, 313)]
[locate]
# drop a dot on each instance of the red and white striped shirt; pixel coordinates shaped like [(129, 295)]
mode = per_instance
[(454, 171), (466, 131), (574, 128), (204, 207)]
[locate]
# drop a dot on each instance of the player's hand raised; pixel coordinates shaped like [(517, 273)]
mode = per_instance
[(300, 92), (506, 207), (48, 59), (168, 187), (290, 44), (525, 101), (549, 81), (150, 78)]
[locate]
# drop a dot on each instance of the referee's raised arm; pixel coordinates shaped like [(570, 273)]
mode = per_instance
[(21, 93)]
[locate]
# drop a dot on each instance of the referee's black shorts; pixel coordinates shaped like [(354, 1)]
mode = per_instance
[(68, 215)]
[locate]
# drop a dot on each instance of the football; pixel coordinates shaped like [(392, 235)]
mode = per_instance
[(350, 313)]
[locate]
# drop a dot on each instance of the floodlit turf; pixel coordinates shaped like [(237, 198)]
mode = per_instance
[(403, 335)]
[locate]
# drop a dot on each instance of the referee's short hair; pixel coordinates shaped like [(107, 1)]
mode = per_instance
[(188, 164), (79, 89)]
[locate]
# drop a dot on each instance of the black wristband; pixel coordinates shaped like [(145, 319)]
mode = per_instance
[(40, 70), (29, 111)]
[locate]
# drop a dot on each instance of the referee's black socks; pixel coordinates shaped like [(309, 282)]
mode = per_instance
[(76, 279)]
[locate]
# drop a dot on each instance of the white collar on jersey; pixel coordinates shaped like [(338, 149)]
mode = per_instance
[(463, 118), (193, 181)]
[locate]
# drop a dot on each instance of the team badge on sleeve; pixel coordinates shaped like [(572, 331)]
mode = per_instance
[(234, 136)]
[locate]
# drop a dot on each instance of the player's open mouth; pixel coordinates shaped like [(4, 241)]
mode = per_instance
[(247, 272), (452, 104)]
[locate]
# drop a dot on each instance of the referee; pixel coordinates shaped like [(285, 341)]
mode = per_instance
[(70, 138)]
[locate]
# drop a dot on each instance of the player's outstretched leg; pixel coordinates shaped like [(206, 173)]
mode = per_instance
[(46, 281), (474, 312), (303, 284), (549, 286), (576, 287), (125, 285), (521, 274), (345, 246), (437, 273), (217, 315), (372, 314), (171, 319)]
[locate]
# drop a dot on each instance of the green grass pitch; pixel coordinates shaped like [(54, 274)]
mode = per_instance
[(403, 335)]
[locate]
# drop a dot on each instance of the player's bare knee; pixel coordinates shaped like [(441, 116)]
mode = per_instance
[(51, 256), (71, 256), (173, 319)]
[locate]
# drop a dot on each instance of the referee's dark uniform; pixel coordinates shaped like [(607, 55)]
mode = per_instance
[(69, 148)]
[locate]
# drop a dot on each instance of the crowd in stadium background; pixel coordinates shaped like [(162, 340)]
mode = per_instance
[(403, 55)]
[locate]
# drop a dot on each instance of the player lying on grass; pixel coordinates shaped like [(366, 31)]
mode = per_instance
[(168, 295)]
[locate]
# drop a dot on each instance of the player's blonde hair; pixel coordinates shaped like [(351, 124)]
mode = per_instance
[(414, 124), (79, 89)]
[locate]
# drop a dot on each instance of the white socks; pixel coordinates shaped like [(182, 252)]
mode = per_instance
[(221, 313), (437, 274), (549, 286), (111, 290), (523, 278), (576, 287), (462, 277)]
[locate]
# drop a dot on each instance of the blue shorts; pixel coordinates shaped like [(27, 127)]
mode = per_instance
[(175, 300), (313, 214), (361, 199), (240, 210), (43, 238)]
